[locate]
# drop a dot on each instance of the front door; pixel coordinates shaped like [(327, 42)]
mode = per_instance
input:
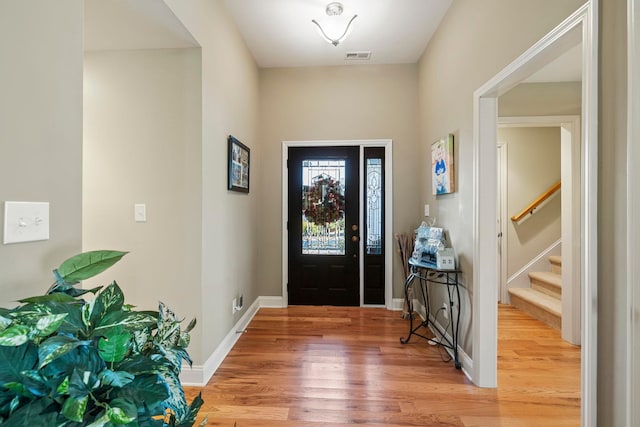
[(323, 226)]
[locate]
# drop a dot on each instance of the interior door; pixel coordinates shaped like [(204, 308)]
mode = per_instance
[(324, 232)]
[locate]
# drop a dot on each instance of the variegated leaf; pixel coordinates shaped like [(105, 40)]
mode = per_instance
[(47, 325), (74, 409), (128, 320), (15, 335), (57, 346)]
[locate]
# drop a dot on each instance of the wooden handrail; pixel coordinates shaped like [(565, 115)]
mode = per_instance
[(537, 202)]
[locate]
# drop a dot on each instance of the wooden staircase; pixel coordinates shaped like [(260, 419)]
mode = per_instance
[(543, 299)]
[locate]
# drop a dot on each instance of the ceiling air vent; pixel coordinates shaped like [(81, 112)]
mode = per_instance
[(353, 56)]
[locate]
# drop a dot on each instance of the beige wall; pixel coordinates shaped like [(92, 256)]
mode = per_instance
[(40, 134), (230, 221), (142, 144), (548, 99), (335, 103), (474, 42), (533, 165)]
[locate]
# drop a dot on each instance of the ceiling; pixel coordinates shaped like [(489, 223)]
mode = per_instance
[(280, 33)]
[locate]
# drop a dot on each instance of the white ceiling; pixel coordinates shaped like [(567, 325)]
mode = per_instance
[(279, 33)]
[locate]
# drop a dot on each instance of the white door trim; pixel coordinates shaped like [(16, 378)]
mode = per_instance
[(580, 26), (633, 210), (503, 218), (388, 206)]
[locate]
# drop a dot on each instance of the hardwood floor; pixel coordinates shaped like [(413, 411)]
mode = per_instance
[(331, 366)]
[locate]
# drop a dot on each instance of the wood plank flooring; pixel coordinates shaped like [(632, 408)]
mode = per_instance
[(332, 366)]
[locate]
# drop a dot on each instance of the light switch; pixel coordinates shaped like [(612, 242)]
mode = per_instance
[(25, 222), (426, 210), (140, 212)]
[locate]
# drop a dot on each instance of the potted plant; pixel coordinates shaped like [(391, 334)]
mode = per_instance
[(67, 361)]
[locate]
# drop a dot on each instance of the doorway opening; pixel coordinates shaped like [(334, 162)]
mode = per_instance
[(580, 26)]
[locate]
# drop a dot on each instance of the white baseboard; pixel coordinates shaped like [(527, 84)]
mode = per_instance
[(463, 357), (199, 375), (397, 304)]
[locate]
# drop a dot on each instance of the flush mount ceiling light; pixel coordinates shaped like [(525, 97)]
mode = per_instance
[(334, 10)]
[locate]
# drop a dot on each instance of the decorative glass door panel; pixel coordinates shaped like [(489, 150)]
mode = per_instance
[(323, 205), (324, 240), (374, 271), (373, 210)]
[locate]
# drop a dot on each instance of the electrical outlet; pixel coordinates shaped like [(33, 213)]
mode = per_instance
[(233, 306), (445, 310)]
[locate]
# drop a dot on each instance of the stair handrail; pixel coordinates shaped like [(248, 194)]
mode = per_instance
[(537, 202)]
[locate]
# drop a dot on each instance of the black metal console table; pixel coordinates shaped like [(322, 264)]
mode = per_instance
[(427, 274)]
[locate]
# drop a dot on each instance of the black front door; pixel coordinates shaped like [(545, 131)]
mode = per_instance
[(323, 226)]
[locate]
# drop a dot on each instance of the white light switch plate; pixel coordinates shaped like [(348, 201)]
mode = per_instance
[(25, 222), (140, 212)]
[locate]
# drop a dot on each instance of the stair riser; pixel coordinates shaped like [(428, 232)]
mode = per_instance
[(547, 288), (556, 269), (549, 318)]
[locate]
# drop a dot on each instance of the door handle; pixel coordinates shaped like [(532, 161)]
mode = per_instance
[(355, 239)]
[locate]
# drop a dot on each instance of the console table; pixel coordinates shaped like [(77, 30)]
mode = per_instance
[(427, 275)]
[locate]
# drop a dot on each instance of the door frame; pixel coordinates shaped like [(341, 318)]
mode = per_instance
[(633, 209), (503, 217), (388, 219), (581, 25), (570, 142)]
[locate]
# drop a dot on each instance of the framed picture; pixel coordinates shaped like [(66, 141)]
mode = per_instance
[(238, 166), (442, 175)]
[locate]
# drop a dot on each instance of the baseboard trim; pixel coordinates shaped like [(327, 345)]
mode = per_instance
[(463, 357), (199, 375), (397, 304)]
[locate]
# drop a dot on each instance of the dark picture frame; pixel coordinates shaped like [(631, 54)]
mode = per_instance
[(239, 164)]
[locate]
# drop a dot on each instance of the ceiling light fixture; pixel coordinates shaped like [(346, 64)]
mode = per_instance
[(335, 9)]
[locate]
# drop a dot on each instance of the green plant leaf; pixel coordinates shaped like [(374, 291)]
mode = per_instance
[(122, 411), (4, 322), (15, 360), (81, 383), (74, 409), (128, 320), (109, 300), (47, 325), (149, 390), (168, 327), (190, 418), (55, 297), (57, 346), (86, 265), (115, 378), (114, 345), (14, 335), (176, 399), (101, 421), (38, 409)]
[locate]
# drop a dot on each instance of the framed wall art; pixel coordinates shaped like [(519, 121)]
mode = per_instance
[(442, 176), (238, 166)]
